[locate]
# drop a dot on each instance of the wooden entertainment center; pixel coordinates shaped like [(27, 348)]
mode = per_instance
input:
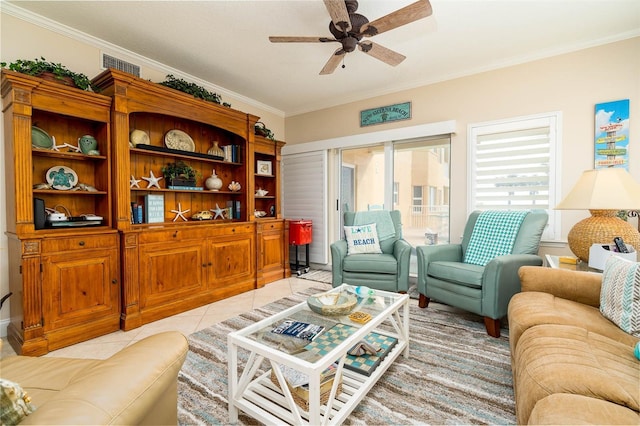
[(72, 283)]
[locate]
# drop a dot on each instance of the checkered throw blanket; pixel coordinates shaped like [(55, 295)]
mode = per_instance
[(493, 235)]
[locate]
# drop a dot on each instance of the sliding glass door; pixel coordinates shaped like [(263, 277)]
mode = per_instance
[(421, 189), (409, 176)]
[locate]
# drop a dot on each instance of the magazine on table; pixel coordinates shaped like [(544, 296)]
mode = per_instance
[(299, 329), (296, 378)]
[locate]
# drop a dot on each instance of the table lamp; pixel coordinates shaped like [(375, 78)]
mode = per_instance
[(603, 192)]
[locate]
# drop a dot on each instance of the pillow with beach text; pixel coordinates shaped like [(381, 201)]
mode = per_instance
[(362, 239)]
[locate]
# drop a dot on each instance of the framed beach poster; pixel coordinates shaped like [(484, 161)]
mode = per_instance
[(612, 135)]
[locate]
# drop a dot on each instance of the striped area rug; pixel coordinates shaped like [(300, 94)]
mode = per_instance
[(455, 374)]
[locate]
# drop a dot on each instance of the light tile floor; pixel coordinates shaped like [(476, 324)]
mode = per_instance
[(187, 322)]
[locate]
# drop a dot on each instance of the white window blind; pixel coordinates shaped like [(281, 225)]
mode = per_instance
[(513, 165), (304, 188)]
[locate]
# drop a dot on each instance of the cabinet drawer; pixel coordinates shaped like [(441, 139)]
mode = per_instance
[(238, 229), (273, 226), (79, 243)]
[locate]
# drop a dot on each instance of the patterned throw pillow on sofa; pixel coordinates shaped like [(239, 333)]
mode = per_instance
[(362, 239), (15, 405), (620, 294)]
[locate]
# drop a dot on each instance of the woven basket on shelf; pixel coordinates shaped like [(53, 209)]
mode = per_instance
[(301, 397)]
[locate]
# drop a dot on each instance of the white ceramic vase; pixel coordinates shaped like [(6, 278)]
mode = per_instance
[(213, 182)]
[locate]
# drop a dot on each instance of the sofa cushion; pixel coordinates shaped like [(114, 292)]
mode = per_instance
[(531, 308), (374, 263), (569, 409), (620, 295), (553, 358), (44, 377), (462, 273), (362, 239)]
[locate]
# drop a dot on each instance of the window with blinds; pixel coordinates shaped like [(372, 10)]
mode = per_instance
[(512, 165)]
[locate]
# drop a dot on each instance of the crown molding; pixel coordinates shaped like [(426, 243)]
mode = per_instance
[(72, 33)]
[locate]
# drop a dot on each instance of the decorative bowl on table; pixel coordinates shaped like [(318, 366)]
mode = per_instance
[(332, 303)]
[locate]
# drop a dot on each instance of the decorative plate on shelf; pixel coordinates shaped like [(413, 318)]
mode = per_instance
[(61, 177), (40, 138), (177, 139), (138, 137)]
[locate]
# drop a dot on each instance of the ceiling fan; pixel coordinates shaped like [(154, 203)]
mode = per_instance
[(348, 29)]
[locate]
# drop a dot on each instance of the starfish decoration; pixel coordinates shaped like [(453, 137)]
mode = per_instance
[(179, 213), (218, 211), (153, 181), (134, 182)]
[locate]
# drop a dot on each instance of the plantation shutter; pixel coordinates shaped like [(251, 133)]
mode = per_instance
[(304, 187), (512, 165)]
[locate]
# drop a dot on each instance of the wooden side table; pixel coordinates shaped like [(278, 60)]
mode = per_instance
[(554, 262)]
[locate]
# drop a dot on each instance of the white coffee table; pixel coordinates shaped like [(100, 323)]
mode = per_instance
[(257, 396)]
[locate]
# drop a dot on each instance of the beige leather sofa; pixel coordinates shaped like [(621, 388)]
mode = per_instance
[(570, 364), (138, 385)]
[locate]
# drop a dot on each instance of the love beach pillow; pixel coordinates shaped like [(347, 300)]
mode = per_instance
[(362, 239)]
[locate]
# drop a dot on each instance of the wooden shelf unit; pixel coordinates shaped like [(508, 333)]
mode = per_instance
[(177, 265), (74, 283), (65, 281), (273, 230)]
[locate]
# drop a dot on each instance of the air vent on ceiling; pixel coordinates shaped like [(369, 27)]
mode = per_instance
[(119, 64)]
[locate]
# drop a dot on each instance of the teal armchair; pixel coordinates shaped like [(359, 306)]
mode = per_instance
[(387, 271), (484, 290)]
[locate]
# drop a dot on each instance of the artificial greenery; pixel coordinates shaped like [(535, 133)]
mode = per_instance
[(37, 67), (261, 129), (179, 170), (193, 89)]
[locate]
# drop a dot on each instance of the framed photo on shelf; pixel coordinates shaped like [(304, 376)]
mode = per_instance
[(264, 168)]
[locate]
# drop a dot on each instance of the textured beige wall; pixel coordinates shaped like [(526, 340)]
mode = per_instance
[(571, 83)]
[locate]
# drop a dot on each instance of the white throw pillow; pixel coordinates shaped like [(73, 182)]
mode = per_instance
[(362, 239), (620, 294)]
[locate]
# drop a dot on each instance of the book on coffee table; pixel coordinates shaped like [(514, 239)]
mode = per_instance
[(299, 329), (363, 364)]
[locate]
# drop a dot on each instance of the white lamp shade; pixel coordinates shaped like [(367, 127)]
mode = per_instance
[(603, 189)]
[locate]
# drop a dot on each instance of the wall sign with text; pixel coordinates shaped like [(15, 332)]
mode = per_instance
[(385, 114), (612, 134)]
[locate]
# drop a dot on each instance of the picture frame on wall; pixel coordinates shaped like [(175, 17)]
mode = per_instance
[(612, 135), (264, 168)]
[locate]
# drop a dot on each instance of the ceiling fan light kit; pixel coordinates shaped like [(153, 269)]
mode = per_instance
[(348, 28)]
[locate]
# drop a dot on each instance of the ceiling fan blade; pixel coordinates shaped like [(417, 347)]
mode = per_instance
[(413, 12), (381, 53), (339, 14), (294, 39), (333, 62)]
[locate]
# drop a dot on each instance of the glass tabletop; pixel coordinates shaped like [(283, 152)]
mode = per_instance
[(265, 331)]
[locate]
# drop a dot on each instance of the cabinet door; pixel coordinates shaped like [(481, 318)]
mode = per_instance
[(79, 288), (233, 260), (272, 250), (170, 272)]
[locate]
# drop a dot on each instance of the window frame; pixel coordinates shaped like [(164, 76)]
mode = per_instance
[(551, 119)]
